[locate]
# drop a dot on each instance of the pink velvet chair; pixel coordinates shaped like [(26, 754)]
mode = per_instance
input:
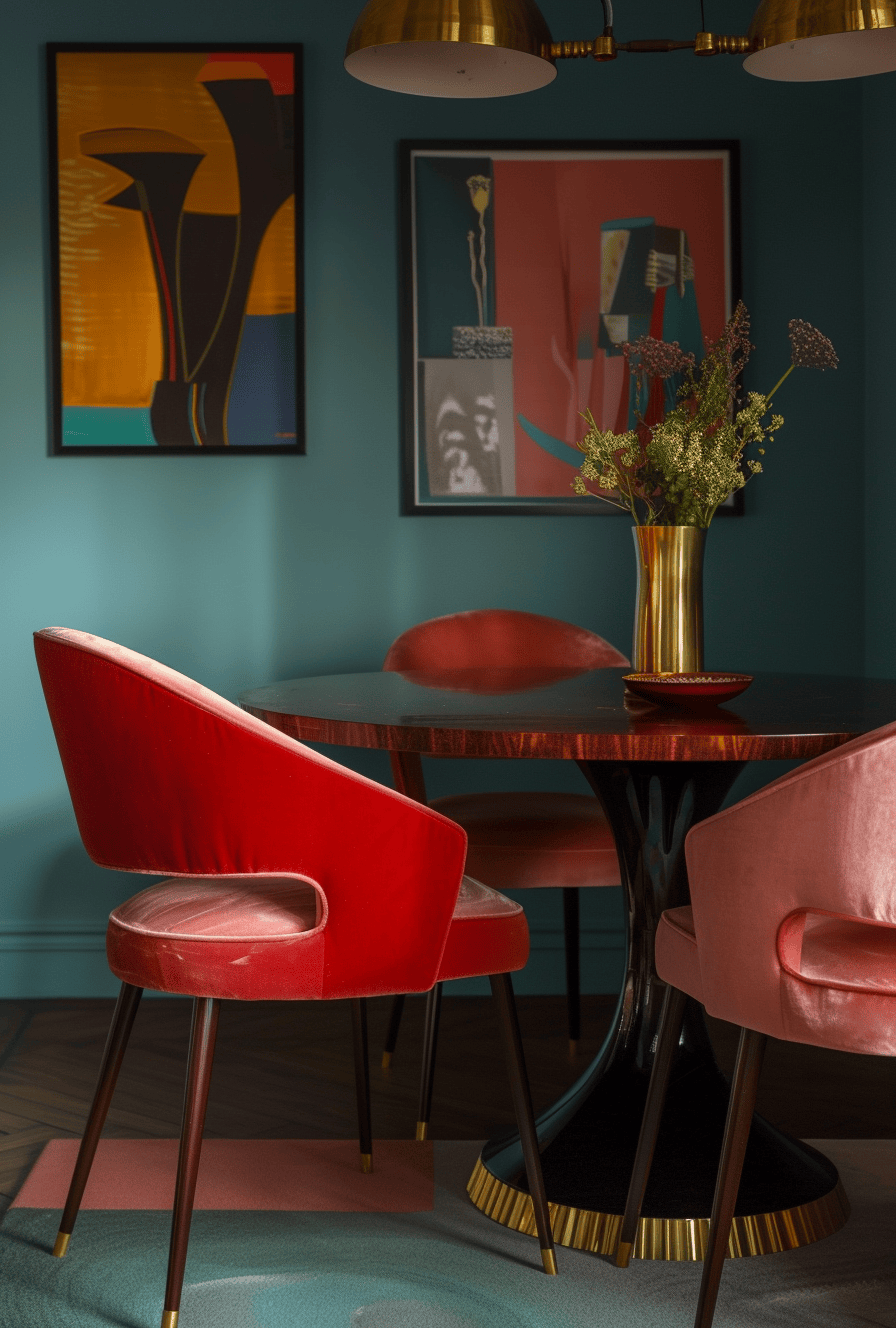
[(791, 933), (518, 841), (268, 896)]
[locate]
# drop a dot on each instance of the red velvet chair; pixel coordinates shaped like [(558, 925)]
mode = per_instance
[(517, 841), (791, 933), (270, 899)]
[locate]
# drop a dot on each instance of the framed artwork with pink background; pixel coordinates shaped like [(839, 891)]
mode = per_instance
[(526, 267)]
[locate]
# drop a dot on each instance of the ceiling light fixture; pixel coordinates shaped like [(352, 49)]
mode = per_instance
[(816, 40), (494, 48)]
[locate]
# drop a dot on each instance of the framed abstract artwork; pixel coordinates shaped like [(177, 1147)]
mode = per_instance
[(525, 268), (176, 223)]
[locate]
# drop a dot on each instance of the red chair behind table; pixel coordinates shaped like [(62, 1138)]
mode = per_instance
[(791, 933), (271, 900), (517, 841)]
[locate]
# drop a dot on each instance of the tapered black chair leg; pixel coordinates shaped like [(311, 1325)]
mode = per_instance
[(392, 1031), (573, 982), (199, 1073), (502, 990), (430, 1042), (741, 1106), (362, 1080), (671, 1020), (116, 1043)]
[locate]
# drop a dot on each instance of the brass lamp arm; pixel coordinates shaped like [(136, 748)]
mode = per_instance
[(606, 47)]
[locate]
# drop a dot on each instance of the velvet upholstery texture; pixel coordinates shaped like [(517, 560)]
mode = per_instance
[(793, 913), (294, 877), (231, 938), (676, 956), (499, 639), (288, 878), (524, 840)]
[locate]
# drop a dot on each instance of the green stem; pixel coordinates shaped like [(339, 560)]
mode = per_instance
[(779, 382), (623, 507), (629, 504)]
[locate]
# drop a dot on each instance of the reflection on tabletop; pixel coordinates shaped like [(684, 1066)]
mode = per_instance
[(646, 717), (488, 682), (650, 719)]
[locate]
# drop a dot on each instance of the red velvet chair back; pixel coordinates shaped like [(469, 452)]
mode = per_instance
[(168, 778), (794, 902), (499, 639)]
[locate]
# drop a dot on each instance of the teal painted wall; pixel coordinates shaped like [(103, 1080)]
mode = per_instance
[(240, 570), (879, 173)]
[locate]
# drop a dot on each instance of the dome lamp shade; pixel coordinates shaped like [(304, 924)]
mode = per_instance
[(451, 48), (817, 40)]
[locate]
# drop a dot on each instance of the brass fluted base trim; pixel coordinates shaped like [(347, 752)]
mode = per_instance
[(672, 1238), (61, 1247)]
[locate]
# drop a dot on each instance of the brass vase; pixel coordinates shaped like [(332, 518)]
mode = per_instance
[(668, 635)]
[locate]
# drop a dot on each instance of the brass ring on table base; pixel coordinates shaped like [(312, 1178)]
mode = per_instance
[(672, 1238)]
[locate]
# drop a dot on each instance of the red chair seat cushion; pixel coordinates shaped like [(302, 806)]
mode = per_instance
[(261, 938), (677, 955), (488, 934), (520, 841), (247, 938)]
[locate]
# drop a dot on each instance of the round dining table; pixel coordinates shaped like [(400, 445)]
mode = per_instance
[(656, 771)]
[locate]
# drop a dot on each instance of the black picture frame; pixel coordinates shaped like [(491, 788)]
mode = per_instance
[(435, 195), (176, 248)]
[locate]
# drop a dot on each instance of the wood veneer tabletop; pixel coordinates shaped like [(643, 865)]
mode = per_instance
[(586, 716)]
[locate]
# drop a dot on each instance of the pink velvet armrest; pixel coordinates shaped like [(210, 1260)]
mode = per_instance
[(794, 901)]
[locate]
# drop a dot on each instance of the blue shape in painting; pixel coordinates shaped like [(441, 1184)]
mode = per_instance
[(555, 446), (262, 406), (261, 410)]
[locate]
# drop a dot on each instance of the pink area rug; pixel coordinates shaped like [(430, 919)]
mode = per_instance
[(279, 1175)]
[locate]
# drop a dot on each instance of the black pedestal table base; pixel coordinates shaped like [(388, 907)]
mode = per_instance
[(790, 1195)]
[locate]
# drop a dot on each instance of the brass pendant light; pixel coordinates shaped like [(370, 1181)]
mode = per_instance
[(493, 48), (813, 40), (452, 48)]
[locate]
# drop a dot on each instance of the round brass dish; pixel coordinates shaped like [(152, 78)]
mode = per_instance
[(676, 1239)]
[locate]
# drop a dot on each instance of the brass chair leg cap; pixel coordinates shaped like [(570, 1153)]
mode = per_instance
[(61, 1246), (170, 1318), (573, 1048), (366, 1163), (387, 1060), (422, 1127), (549, 1259), (623, 1254)]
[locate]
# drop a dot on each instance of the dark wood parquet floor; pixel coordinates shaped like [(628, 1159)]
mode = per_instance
[(285, 1071)]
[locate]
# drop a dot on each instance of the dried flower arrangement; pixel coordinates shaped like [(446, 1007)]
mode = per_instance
[(686, 454)]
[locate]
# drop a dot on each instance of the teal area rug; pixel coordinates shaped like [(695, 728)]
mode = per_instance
[(445, 1268)]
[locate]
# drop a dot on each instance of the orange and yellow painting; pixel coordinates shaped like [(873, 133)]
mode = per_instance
[(176, 206)]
